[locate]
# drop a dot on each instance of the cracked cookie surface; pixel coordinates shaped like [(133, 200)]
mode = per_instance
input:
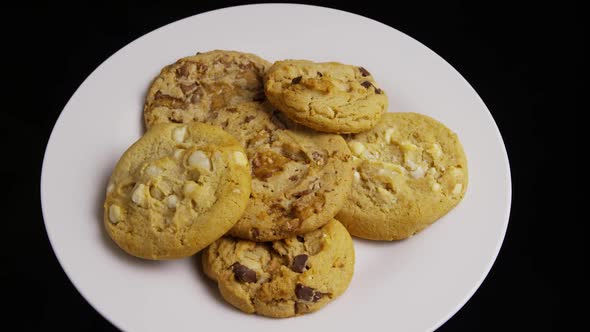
[(330, 97), (300, 177), (190, 88), (410, 171), (176, 190), (284, 278)]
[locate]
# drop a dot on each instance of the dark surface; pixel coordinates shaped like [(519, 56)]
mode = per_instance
[(520, 60)]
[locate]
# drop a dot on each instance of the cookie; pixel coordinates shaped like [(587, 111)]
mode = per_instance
[(284, 278), (330, 97), (300, 178), (176, 190), (410, 171), (188, 89)]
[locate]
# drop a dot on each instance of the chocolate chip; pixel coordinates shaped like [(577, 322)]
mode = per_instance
[(367, 84), (378, 91), (307, 293), (249, 118), (296, 80), (300, 238), (299, 262), (320, 74), (243, 273), (293, 178), (364, 72)]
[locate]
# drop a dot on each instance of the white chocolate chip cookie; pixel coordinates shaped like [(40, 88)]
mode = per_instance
[(410, 171), (176, 190)]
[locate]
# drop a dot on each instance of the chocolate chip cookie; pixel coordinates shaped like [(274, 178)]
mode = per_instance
[(300, 177), (188, 89), (284, 278), (410, 171), (176, 190), (330, 97)]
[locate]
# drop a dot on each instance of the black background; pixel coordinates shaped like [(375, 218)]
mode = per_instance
[(522, 59)]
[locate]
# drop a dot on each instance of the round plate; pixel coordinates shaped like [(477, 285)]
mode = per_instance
[(414, 285)]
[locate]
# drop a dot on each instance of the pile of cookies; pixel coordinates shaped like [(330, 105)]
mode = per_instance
[(268, 168)]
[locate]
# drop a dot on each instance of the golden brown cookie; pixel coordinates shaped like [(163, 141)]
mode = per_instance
[(284, 278), (410, 171), (190, 88), (330, 97), (176, 190), (300, 177)]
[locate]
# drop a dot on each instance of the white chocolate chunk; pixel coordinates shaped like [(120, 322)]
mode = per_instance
[(435, 186), (236, 191), (386, 194), (431, 172), (457, 189), (407, 147), (394, 168), (153, 171), (178, 134), (189, 187), (371, 155), (171, 201), (240, 158), (357, 147), (199, 159), (456, 172), (412, 155), (110, 187), (164, 187), (388, 134), (178, 153), (410, 164), (357, 176), (435, 150), (139, 194), (418, 172), (115, 214), (330, 111)]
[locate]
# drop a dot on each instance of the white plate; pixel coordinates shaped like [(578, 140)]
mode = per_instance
[(413, 285)]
